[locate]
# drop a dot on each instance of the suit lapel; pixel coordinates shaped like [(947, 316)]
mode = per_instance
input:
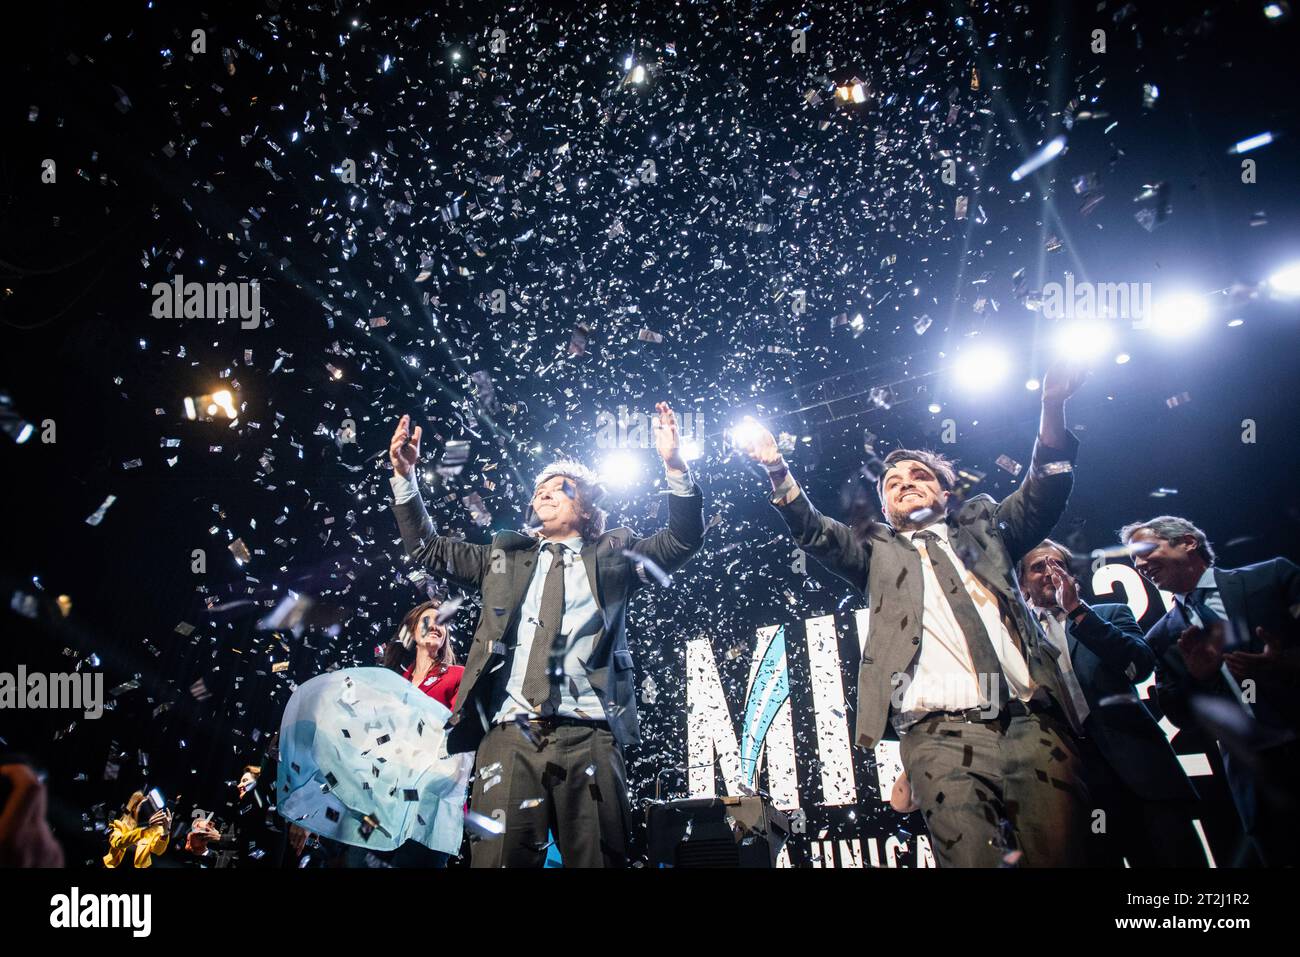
[(1232, 589), (908, 579), (589, 560), (522, 570)]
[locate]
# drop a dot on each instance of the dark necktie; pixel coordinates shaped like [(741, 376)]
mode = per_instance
[(968, 617), (539, 686), (1198, 601)]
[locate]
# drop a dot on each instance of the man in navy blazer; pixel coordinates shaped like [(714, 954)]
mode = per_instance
[(1133, 775), (1228, 656)]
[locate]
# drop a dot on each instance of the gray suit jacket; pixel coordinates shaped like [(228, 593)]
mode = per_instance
[(991, 537), (502, 571)]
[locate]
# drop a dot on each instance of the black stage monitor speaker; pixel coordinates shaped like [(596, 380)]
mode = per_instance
[(716, 832)]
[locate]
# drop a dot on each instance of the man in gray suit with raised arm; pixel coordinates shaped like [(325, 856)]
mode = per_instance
[(548, 698), (952, 650)]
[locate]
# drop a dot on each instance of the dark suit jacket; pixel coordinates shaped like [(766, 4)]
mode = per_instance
[(1260, 595), (1109, 657), (1255, 596), (502, 572), (884, 565)]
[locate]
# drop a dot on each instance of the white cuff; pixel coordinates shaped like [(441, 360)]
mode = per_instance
[(404, 490), (681, 484)]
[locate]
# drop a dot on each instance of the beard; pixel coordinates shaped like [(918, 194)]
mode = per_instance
[(903, 521)]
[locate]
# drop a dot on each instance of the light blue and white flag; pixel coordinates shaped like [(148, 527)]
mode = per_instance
[(769, 690), (363, 760)]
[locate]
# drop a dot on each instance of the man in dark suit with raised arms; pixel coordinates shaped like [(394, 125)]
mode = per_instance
[(548, 698)]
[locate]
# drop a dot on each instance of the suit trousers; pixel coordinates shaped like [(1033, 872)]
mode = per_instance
[(1146, 833), (988, 789), (568, 781)]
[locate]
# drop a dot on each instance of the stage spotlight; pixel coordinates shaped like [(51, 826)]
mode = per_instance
[(852, 92), (1122, 358), (205, 408), (1033, 385), (1179, 314), (1251, 143), (1084, 338), (620, 470), (935, 408), (1286, 281), (981, 367), (1048, 152), (745, 433)]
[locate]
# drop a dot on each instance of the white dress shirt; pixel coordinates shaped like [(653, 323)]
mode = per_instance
[(1214, 601), (1055, 630), (1212, 598), (581, 624), (943, 675)]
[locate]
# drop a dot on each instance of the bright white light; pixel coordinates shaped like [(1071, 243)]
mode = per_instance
[(852, 93), (620, 469), (1273, 11), (1122, 358), (638, 75), (1252, 143), (627, 64), (1286, 281), (935, 408), (1033, 385), (226, 402), (691, 449), (981, 367), (1054, 148), (1084, 339), (1179, 314), (1234, 323), (24, 433), (746, 432)]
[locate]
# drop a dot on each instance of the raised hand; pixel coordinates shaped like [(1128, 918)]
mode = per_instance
[(1067, 592), (667, 440), (758, 442), (1062, 380), (161, 819), (404, 447)]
